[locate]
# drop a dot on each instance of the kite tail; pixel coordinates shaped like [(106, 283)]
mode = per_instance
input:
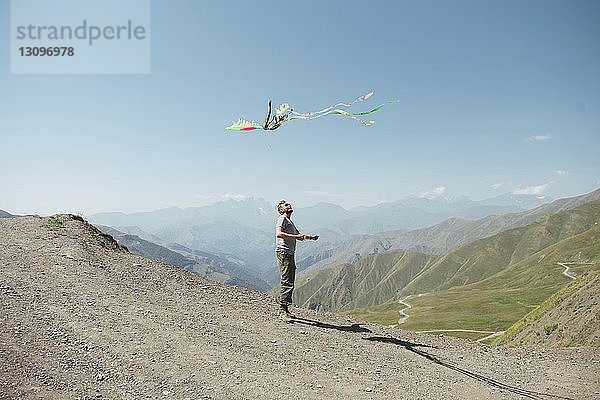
[(325, 110), (242, 125), (365, 123), (376, 108), (342, 112)]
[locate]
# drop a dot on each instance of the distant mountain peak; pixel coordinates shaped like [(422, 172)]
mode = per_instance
[(5, 214)]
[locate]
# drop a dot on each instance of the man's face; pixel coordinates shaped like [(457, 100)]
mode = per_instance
[(287, 208)]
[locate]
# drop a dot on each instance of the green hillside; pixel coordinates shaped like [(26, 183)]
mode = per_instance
[(486, 257), (373, 280), (394, 275), (570, 317), (495, 303)]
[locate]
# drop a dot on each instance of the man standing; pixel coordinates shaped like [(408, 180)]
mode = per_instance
[(287, 234)]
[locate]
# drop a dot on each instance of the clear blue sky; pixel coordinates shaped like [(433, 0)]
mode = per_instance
[(495, 97)]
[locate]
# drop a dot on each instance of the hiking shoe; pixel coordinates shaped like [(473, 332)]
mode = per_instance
[(285, 316), (284, 313)]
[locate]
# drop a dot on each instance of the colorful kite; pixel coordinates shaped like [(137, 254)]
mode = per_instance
[(276, 118)]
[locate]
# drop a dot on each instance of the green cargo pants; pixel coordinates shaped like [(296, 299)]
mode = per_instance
[(287, 268)]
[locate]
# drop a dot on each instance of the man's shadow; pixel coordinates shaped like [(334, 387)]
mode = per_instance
[(391, 340), (356, 328), (413, 347), (352, 328), (480, 377)]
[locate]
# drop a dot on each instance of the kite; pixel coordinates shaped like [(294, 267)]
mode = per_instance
[(284, 113)]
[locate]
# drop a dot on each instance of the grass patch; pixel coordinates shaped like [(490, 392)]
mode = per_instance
[(575, 342), (478, 309), (526, 289), (383, 314), (106, 236), (462, 335), (55, 223), (472, 309), (550, 328), (109, 242)]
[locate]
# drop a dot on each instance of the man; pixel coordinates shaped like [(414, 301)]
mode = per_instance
[(286, 236)]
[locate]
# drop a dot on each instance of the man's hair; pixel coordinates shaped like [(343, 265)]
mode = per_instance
[(279, 206)]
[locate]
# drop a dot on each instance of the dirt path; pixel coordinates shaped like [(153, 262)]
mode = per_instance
[(80, 319), (454, 330), (493, 335), (566, 271), (403, 315)]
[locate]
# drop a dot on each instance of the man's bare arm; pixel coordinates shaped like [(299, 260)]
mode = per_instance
[(298, 236), (281, 234)]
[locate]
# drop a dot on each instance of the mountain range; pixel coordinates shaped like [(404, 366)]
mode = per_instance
[(244, 230), (5, 214), (439, 238), (201, 263)]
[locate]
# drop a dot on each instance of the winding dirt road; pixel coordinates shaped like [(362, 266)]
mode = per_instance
[(566, 271), (403, 315)]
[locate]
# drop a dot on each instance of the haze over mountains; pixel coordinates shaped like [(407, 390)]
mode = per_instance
[(244, 230), (439, 238), (201, 263), (5, 214)]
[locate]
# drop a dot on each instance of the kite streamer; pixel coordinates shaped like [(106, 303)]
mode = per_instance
[(361, 98), (284, 113)]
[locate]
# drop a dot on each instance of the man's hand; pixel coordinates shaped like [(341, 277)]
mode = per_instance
[(302, 236)]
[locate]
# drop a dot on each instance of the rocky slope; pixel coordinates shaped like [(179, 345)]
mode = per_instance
[(570, 317), (372, 280), (81, 317)]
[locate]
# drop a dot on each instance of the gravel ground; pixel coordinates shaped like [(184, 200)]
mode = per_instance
[(81, 319)]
